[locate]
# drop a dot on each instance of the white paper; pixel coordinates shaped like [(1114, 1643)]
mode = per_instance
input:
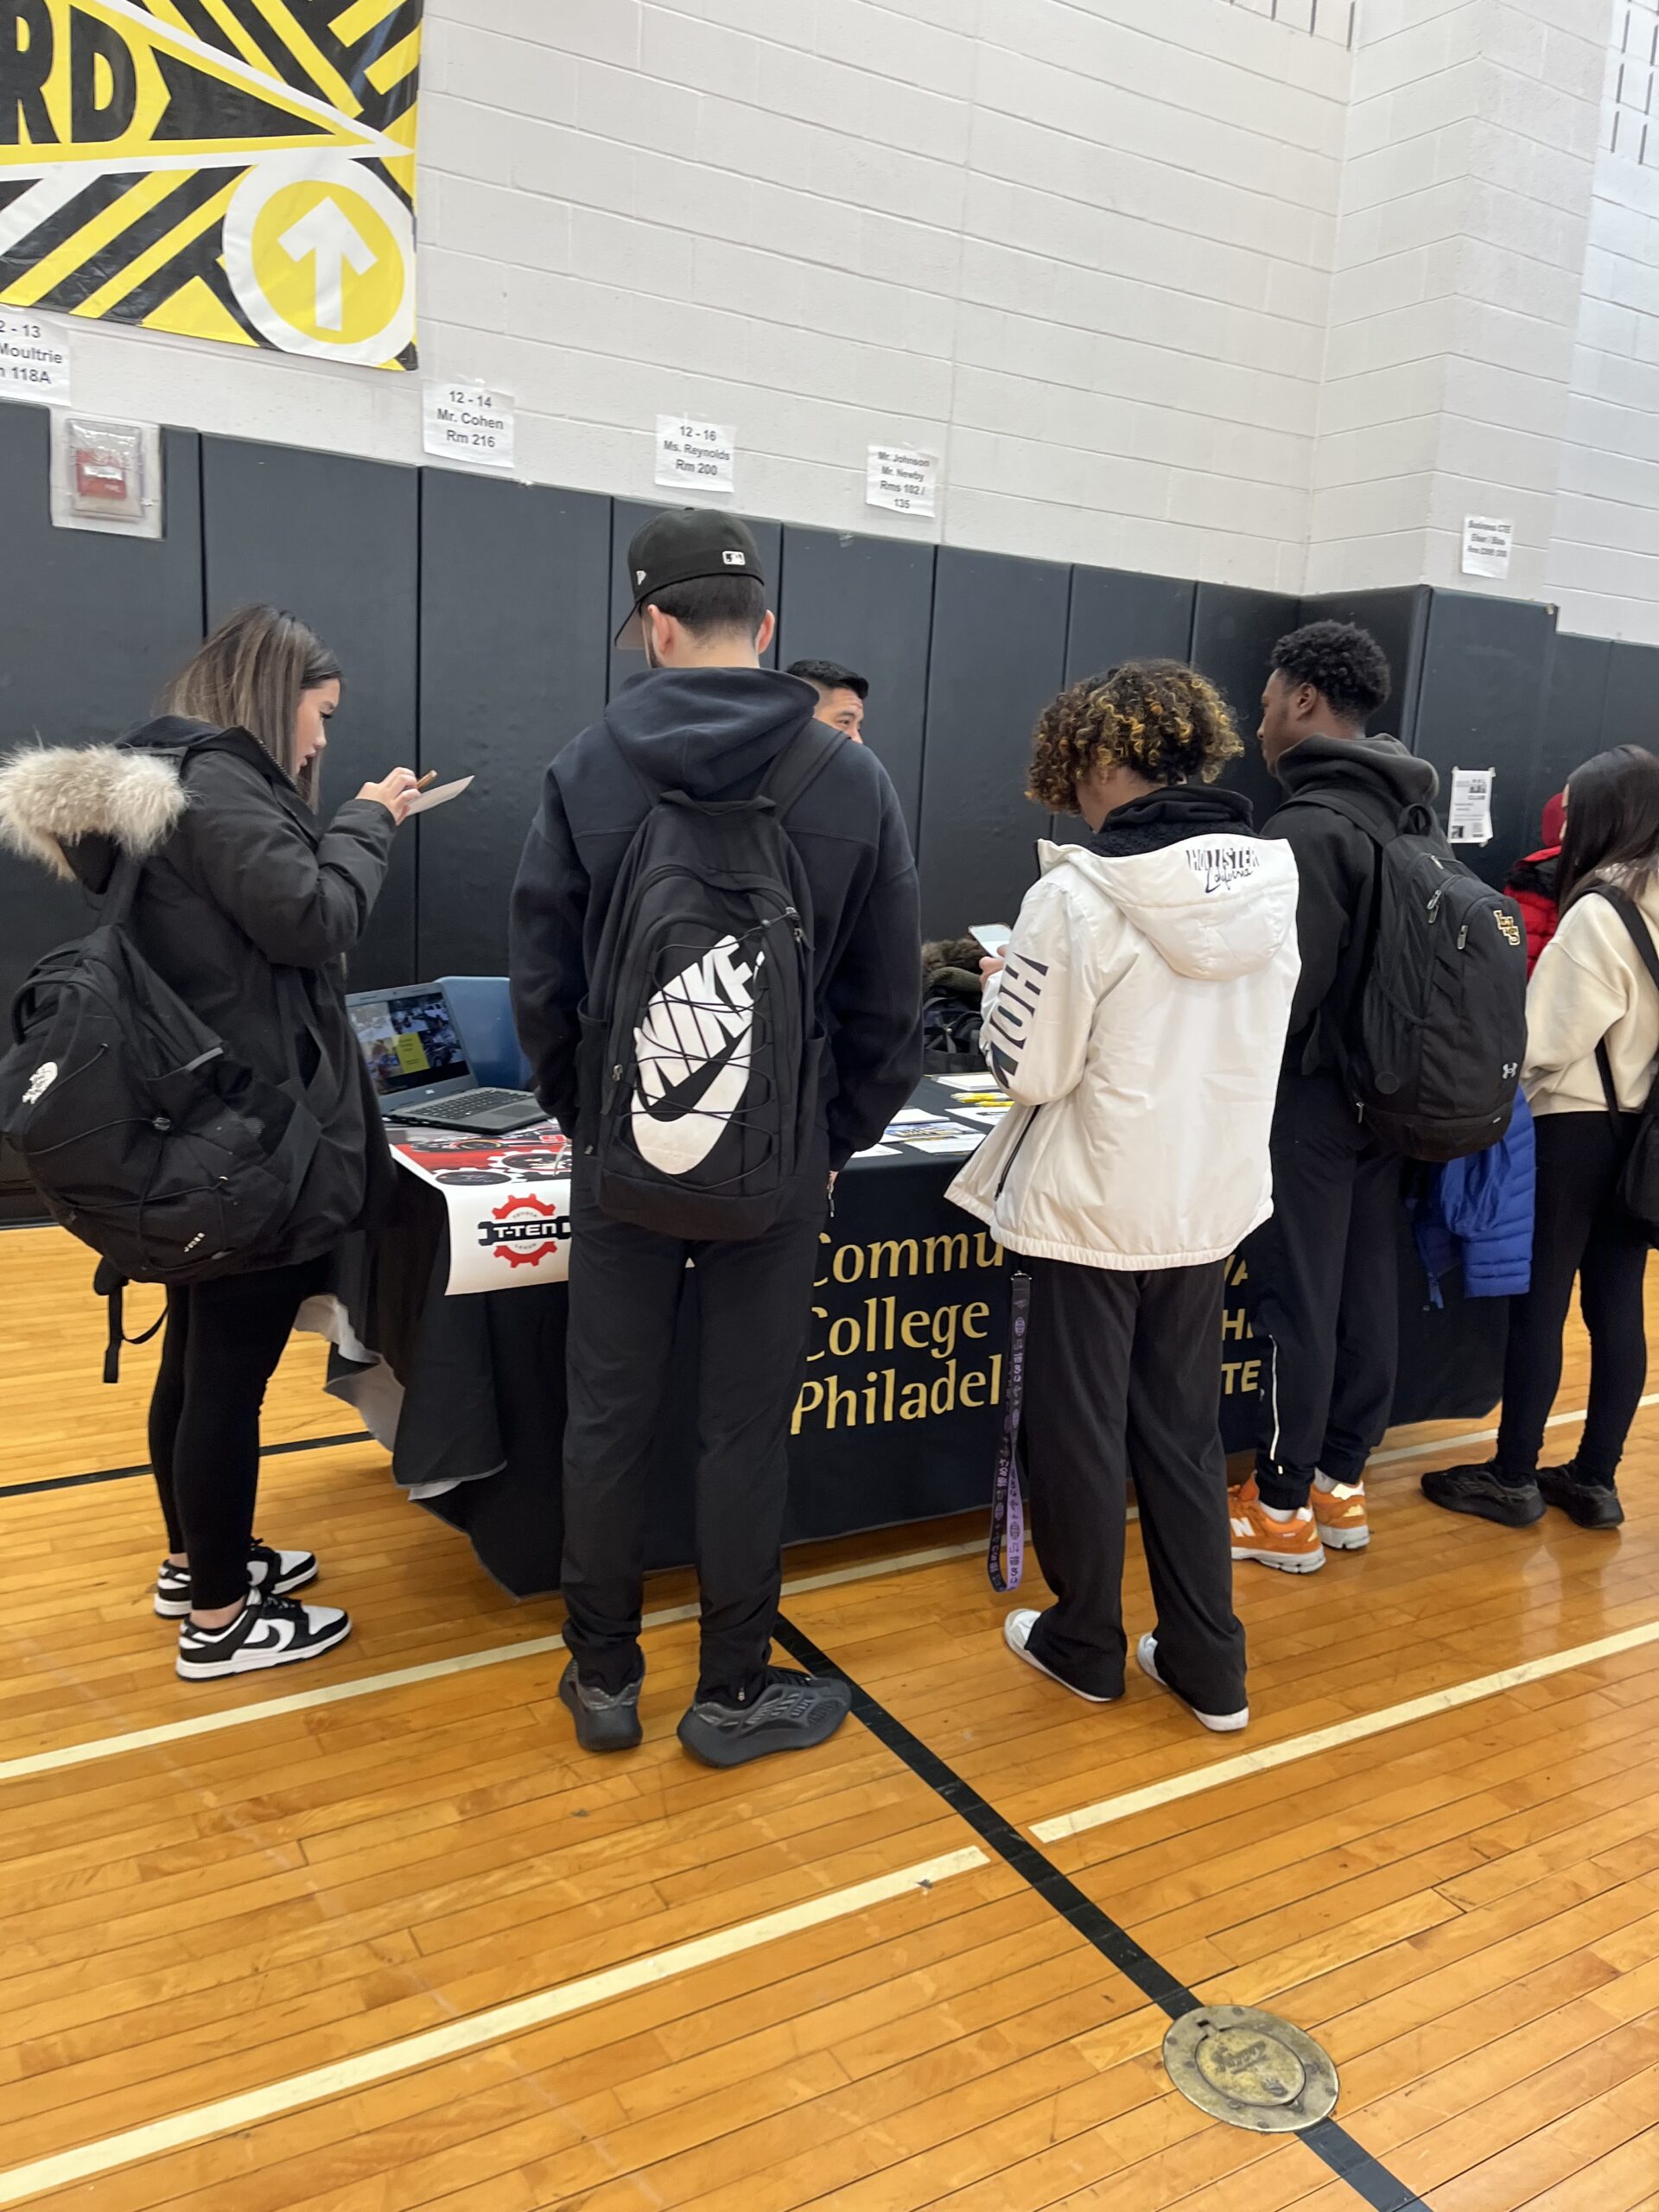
[(913, 1114), (1487, 544), (902, 480), (440, 794), (957, 1147), (989, 1115), (696, 456), (34, 360), (507, 1198), (1471, 816), (469, 423), (982, 1080), (878, 1151)]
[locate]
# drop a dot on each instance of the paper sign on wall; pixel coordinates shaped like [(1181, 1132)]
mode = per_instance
[(470, 422), (1487, 544), (902, 480), (1471, 821), (34, 361), (696, 456)]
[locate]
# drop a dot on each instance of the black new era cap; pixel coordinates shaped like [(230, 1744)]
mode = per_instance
[(674, 548)]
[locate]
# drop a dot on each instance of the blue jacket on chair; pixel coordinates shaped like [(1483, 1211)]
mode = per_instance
[(1478, 1212)]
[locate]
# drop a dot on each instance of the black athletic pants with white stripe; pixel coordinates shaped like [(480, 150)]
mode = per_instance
[(754, 1307), (1321, 1283), (1123, 1377)]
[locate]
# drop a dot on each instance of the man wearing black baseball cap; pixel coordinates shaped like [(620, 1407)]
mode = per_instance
[(704, 718)]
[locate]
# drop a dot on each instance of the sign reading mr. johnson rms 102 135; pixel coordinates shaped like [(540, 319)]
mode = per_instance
[(233, 169)]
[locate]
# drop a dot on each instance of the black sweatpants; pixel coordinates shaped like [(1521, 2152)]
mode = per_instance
[(222, 1342), (1581, 1227), (1321, 1283), (1123, 1377), (754, 1304)]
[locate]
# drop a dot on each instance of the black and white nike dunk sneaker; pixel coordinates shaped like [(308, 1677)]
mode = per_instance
[(791, 1713), (274, 1572), (267, 1632)]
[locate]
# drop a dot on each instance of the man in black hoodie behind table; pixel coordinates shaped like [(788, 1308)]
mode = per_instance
[(1321, 1276), (706, 718)]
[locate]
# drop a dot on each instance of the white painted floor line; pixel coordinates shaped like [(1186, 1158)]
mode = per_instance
[(240, 1716), (457, 2038), (1196, 1782), (1436, 1444)]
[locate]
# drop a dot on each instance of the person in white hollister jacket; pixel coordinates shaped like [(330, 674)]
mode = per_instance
[(1138, 1022)]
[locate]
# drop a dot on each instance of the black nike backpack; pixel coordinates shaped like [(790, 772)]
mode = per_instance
[(1432, 1049), (701, 1049), (147, 1140)]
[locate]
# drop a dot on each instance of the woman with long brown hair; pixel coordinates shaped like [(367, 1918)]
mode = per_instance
[(247, 905), (1593, 1021)]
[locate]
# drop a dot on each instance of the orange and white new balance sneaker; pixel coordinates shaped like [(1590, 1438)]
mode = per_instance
[(1293, 1545), (1340, 1516)]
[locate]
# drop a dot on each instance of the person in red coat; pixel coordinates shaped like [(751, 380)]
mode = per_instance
[(1532, 881)]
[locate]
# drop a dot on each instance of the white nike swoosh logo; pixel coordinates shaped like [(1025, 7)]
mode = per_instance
[(704, 1013)]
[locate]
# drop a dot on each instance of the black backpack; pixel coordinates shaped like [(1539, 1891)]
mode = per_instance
[(1639, 1183), (1432, 1048), (147, 1140), (700, 1049)]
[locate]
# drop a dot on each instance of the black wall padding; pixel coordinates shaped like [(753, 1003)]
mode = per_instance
[(1399, 622), (1574, 723), (867, 603), (630, 515), (1630, 710), (998, 657), (1116, 616), (515, 590), (1486, 670), (90, 628), (335, 541), (1234, 632)]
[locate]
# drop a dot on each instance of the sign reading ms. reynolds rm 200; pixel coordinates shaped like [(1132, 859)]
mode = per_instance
[(242, 172)]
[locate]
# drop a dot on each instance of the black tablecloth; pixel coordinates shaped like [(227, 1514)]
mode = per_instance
[(900, 1414)]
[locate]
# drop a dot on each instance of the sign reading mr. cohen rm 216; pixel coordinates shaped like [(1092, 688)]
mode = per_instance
[(243, 170)]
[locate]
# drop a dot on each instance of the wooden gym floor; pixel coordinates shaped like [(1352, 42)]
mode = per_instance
[(370, 1934)]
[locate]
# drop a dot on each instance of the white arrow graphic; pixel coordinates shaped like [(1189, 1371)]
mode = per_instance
[(334, 242)]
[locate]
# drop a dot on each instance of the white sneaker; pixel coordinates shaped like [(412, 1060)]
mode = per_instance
[(1224, 1723), (275, 1574), (1016, 1633), (267, 1632)]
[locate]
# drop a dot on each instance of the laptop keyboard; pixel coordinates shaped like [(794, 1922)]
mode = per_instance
[(465, 1108)]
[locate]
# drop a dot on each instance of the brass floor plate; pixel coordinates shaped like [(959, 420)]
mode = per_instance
[(1250, 2070)]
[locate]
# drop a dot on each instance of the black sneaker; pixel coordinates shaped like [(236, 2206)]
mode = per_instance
[(606, 1720), (267, 1632), (274, 1572), (793, 1712), (1593, 1505), (1478, 1491)]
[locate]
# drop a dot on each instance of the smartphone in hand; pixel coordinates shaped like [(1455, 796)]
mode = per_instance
[(993, 937)]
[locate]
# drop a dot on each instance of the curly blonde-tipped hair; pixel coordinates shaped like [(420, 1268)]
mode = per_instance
[(1158, 717)]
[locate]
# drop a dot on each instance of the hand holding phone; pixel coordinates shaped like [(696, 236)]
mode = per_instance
[(993, 937)]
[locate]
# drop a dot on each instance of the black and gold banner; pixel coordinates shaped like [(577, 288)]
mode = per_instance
[(234, 169)]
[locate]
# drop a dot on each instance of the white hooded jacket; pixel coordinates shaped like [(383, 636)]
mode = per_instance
[(1139, 1021)]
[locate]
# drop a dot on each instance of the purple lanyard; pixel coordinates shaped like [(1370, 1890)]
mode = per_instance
[(1008, 1507)]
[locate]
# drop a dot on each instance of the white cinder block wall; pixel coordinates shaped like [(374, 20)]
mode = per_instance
[(1190, 286)]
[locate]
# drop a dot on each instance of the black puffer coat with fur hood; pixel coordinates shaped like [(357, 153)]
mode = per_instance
[(241, 880)]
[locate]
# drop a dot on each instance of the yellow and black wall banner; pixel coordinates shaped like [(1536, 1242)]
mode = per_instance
[(234, 169)]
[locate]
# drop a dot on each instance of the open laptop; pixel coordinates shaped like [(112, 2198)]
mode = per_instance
[(417, 1064)]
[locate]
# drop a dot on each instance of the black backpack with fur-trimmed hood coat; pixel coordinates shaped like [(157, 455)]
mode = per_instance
[(245, 897)]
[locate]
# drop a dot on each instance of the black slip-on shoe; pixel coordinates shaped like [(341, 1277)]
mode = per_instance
[(1593, 1505), (1477, 1490), (793, 1712), (606, 1721)]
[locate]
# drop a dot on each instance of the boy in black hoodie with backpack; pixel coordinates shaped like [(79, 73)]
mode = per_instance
[(706, 723), (1321, 1276)]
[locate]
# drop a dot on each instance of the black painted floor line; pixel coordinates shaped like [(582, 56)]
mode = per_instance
[(126, 1474), (1346, 2158)]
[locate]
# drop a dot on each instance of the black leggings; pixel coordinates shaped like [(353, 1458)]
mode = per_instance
[(224, 1340), (1583, 1229)]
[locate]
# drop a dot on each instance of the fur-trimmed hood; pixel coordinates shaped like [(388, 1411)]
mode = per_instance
[(128, 798)]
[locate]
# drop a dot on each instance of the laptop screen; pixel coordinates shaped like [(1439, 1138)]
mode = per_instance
[(409, 1039)]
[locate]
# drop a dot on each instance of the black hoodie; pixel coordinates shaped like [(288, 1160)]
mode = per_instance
[(1337, 862), (714, 733)]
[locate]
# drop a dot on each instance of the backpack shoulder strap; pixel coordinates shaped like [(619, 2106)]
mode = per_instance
[(1351, 811), (802, 761), (1635, 923)]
